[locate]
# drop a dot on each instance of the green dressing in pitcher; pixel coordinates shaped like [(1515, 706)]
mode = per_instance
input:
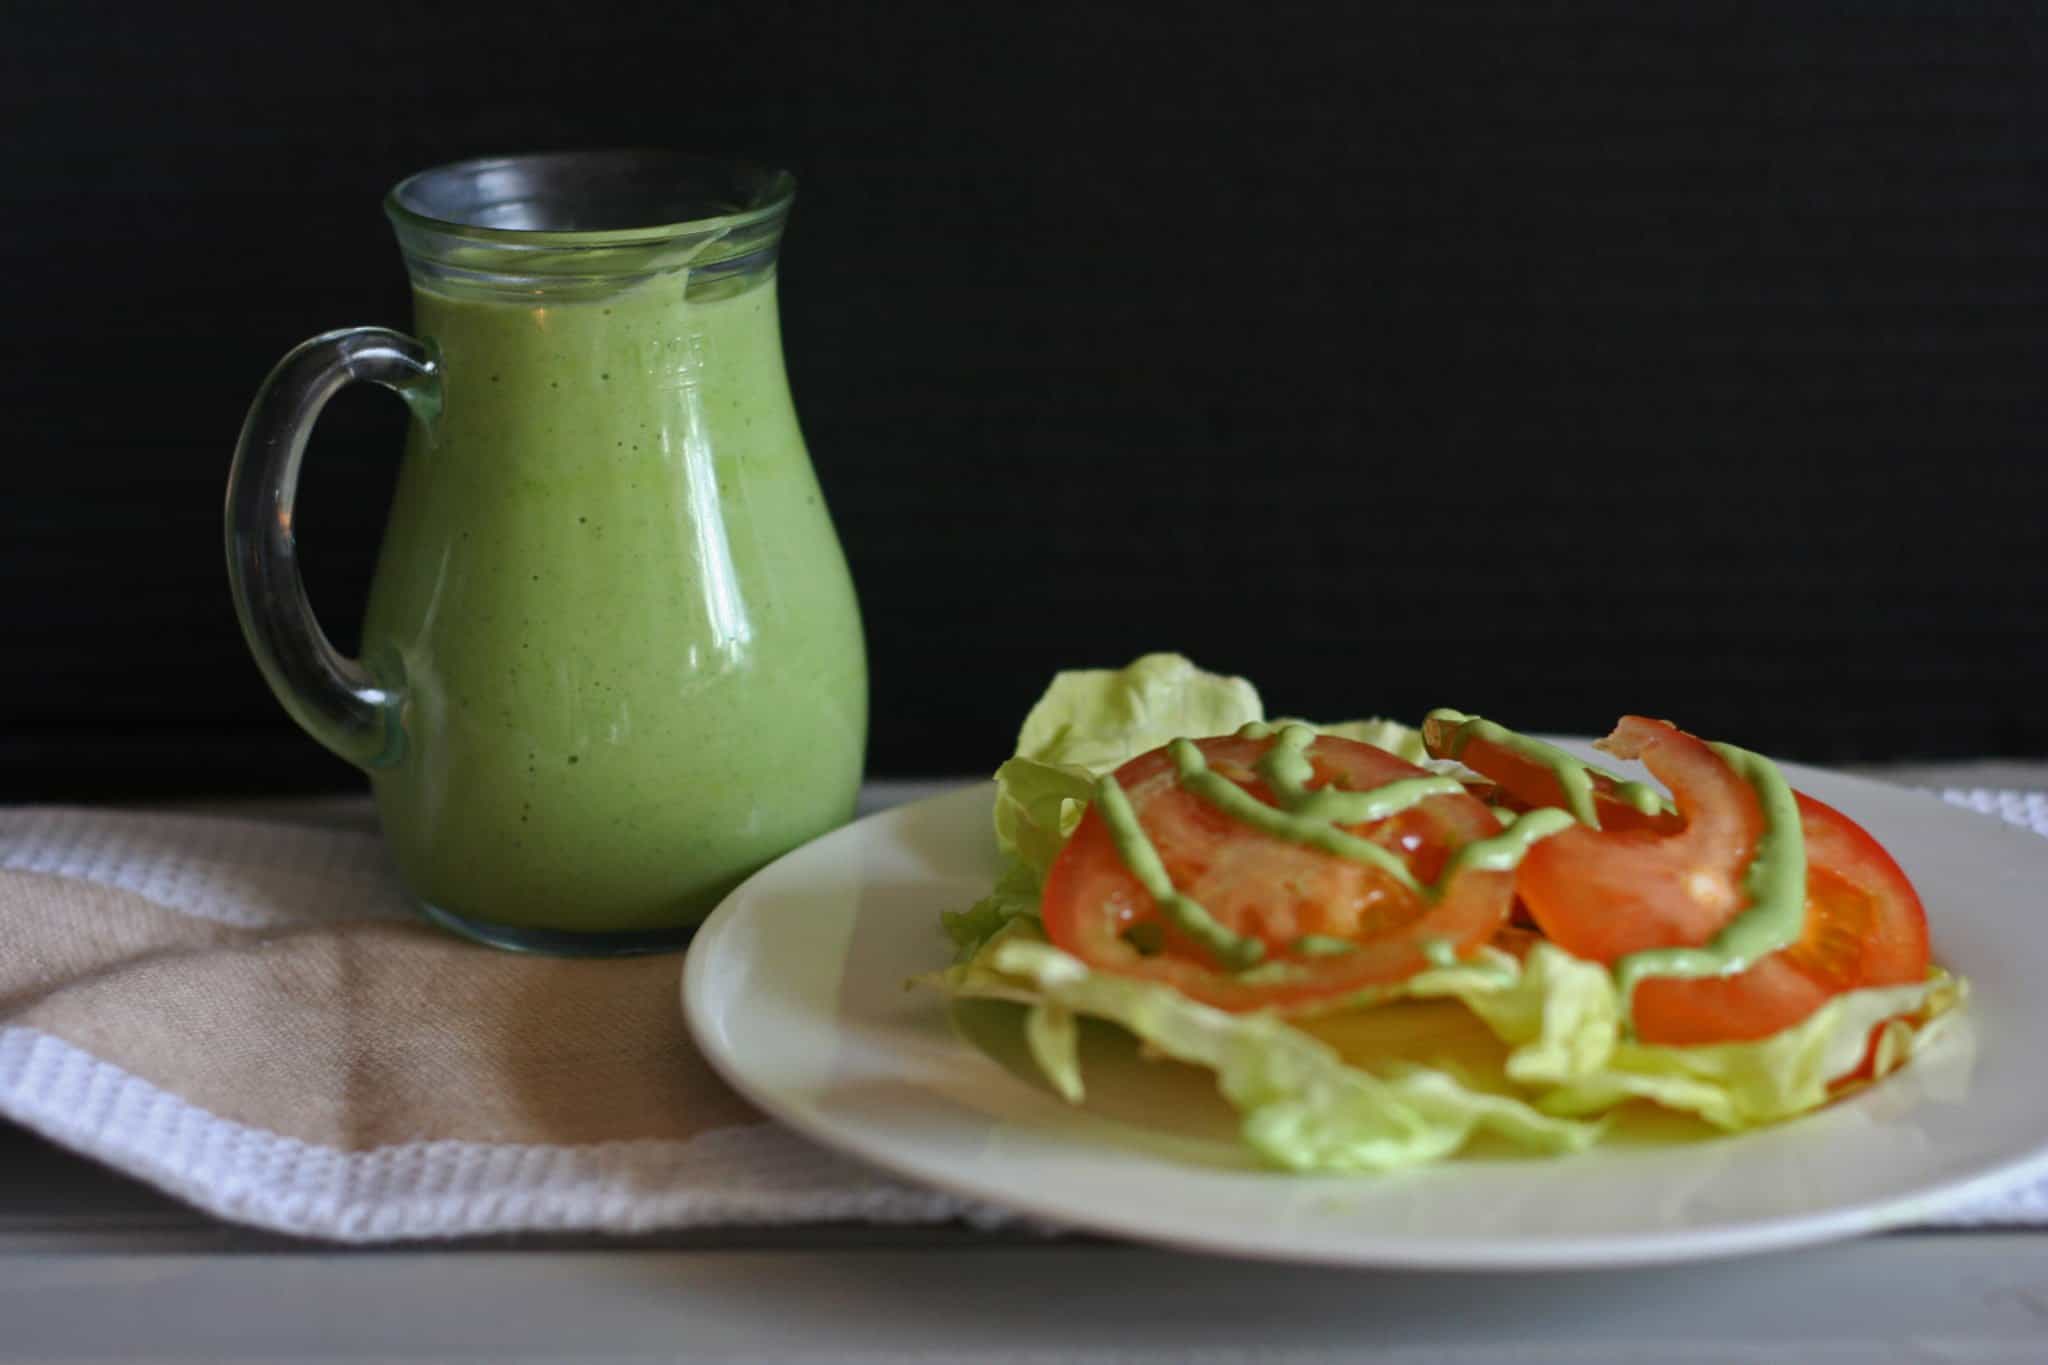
[(611, 640)]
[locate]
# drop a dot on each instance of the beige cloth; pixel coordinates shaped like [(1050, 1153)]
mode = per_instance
[(359, 1034), (247, 1015)]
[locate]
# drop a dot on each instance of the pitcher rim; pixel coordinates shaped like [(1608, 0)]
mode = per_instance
[(777, 192)]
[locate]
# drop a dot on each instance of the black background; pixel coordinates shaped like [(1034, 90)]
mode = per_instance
[(1514, 357)]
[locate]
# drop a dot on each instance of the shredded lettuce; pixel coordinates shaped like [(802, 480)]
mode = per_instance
[(1303, 1106), (1533, 1052)]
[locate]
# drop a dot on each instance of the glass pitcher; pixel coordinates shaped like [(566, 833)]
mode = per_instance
[(612, 660)]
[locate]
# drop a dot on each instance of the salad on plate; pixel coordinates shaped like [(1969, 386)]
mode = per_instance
[(1385, 942)]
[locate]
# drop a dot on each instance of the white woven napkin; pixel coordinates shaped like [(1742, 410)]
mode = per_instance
[(199, 1001), (181, 1091)]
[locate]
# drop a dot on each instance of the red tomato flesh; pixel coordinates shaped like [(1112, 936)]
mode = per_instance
[(1602, 894), (1264, 887), (1865, 927)]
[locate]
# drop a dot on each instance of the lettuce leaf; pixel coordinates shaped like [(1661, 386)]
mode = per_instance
[(1303, 1106), (1534, 1052), (1037, 806), (1097, 718), (1016, 895), (1563, 1018), (1735, 1086)]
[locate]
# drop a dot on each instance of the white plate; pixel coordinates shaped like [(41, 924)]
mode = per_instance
[(795, 990)]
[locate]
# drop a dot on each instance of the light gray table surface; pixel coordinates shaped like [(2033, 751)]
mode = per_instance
[(95, 1266)]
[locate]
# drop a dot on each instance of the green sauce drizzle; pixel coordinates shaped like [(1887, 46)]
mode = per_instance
[(1504, 851), (1306, 816), (1439, 952), (1573, 777), (1187, 914), (1321, 945), (1288, 771), (1775, 883), (1241, 806)]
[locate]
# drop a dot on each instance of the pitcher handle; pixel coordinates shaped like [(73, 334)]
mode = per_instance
[(336, 699)]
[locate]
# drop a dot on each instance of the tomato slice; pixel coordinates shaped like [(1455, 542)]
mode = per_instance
[(1603, 894), (1263, 887), (1865, 927), (1525, 784)]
